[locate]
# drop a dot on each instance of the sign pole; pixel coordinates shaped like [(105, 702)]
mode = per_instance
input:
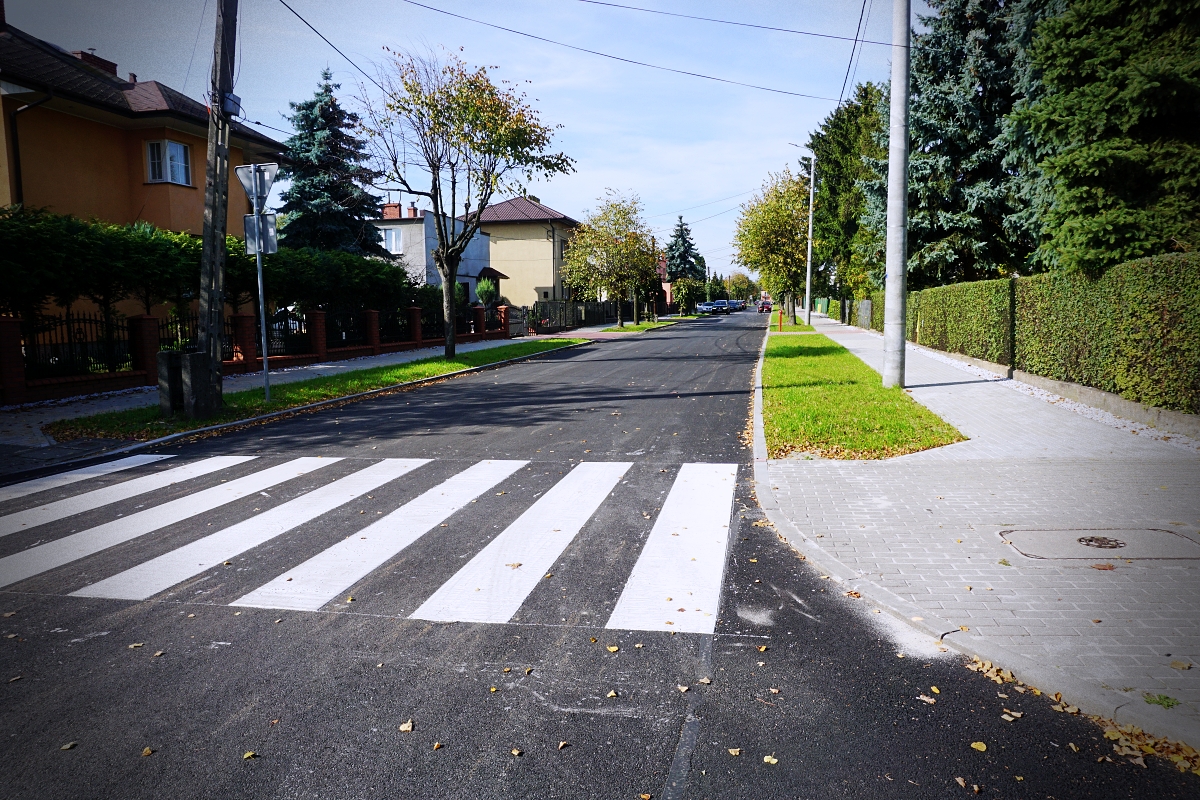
[(896, 258), (262, 298), (812, 195)]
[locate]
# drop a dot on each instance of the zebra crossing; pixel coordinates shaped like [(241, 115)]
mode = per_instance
[(675, 584)]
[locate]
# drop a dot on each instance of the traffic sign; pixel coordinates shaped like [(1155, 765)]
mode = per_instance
[(266, 176), (270, 239)]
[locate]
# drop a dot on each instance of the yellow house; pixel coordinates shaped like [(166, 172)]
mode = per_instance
[(528, 241), (75, 138)]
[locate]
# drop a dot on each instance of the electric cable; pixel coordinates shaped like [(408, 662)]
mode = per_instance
[(702, 205), (862, 12), (331, 44), (195, 44)]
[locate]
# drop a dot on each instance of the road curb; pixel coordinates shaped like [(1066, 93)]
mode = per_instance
[(263, 418), (1090, 698)]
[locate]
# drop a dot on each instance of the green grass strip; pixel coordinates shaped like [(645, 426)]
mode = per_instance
[(641, 326), (821, 399), (142, 424)]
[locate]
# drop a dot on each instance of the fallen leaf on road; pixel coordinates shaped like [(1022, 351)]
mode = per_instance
[(136, 645), (1140, 761), (754, 561), (963, 628), (514, 565), (853, 594), (935, 690), (1097, 621), (594, 640), (528, 670), (13, 680), (10, 614), (249, 754), (1007, 718), (147, 752), (274, 722), (67, 746), (774, 691), (824, 577), (612, 648), (899, 655), (515, 751), (926, 699), (1015, 714), (771, 759), (380, 664), (407, 727), (493, 689), (644, 797), (980, 746), (638, 645), (437, 745), (508, 669), (682, 688), (735, 751), (278, 621), (762, 648), (549, 574), (1180, 665), (705, 681), (961, 782), (611, 693), (349, 599), (157, 653), (561, 745), (1103, 566), (1073, 746)]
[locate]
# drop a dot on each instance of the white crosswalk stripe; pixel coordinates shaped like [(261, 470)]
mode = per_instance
[(676, 582), (314, 583), (60, 509), (494, 584), (159, 574), (62, 551), (74, 476)]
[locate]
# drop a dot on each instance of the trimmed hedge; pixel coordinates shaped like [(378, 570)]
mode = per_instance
[(1134, 331)]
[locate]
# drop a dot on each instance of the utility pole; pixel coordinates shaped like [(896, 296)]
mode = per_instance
[(896, 283), (202, 370), (812, 194)]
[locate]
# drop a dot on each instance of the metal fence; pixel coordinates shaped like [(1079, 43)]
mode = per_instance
[(287, 334), (393, 326), (344, 329), (75, 344), (179, 332)]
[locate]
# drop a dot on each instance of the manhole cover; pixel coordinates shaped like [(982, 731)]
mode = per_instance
[(1124, 543), (1103, 542)]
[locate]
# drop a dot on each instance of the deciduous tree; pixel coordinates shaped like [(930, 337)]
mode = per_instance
[(772, 233)]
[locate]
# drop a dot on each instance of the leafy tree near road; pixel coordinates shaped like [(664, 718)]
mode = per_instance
[(843, 143), (612, 252), (739, 286), (327, 205), (683, 260), (772, 233), (1116, 126), (466, 138), (486, 291)]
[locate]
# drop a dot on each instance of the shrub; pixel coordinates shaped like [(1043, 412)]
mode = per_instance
[(974, 319)]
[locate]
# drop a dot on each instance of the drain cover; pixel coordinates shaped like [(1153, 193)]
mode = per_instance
[(1144, 543)]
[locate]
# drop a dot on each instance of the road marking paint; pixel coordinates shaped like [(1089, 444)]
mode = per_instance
[(314, 583), (683, 561), (490, 588), (159, 574), (38, 559), (74, 476), (23, 520)]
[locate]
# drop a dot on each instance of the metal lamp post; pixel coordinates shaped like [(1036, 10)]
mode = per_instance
[(256, 179)]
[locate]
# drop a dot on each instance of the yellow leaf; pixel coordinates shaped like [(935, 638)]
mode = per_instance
[(493, 689), (682, 688), (1018, 777), (762, 648), (853, 594), (67, 746), (705, 681), (638, 646), (771, 759), (612, 648), (594, 640), (407, 726), (1073, 746), (611, 693), (774, 691), (157, 653), (963, 628), (980, 746), (437, 745), (644, 797), (561, 745), (528, 670), (135, 645), (961, 782), (735, 751), (935, 690), (515, 752), (349, 599), (249, 754), (508, 669), (754, 561), (147, 751)]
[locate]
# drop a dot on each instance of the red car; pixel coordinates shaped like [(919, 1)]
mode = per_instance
[(764, 307)]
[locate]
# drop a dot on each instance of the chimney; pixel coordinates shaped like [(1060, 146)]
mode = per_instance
[(96, 61), (391, 211), (412, 209), (3, 24), (133, 77)]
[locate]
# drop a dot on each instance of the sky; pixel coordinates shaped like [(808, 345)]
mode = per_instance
[(683, 144)]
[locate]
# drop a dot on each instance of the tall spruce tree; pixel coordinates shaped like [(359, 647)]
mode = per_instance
[(327, 206), (962, 77), (843, 143), (1115, 126), (683, 260)]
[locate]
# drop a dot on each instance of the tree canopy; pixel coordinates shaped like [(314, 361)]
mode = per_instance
[(772, 233), (327, 205), (683, 260)]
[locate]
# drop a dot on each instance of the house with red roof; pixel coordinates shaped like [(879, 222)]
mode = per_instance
[(528, 241)]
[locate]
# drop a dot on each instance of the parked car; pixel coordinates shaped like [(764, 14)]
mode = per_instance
[(764, 307), (720, 307), (738, 305), (704, 308)]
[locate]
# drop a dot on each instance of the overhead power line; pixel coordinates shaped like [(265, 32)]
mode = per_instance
[(602, 55), (702, 205), (858, 30), (331, 44), (731, 22)]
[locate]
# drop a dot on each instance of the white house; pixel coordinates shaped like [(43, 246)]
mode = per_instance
[(414, 235)]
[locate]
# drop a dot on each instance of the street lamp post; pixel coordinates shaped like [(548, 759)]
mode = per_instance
[(812, 194), (896, 282)]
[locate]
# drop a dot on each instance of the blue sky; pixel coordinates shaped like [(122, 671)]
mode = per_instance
[(678, 142)]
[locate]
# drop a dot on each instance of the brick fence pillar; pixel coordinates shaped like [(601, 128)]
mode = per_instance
[(143, 346), (414, 324), (504, 322), (479, 324), (245, 339), (371, 321), (12, 361), (315, 322)]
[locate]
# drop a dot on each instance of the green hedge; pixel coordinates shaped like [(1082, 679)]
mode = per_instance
[(1134, 331)]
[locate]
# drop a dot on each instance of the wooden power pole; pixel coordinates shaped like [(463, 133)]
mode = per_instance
[(202, 370)]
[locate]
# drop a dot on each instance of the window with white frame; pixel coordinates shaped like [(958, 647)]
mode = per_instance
[(169, 162), (393, 240)]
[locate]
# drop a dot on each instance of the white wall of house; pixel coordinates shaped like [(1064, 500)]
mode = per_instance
[(416, 238)]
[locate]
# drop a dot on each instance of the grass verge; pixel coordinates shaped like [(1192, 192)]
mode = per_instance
[(641, 326), (820, 398), (143, 424), (788, 327)]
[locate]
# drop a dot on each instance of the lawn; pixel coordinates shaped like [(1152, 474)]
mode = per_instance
[(821, 399), (142, 424), (641, 326), (788, 327)]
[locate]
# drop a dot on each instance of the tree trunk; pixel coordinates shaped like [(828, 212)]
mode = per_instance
[(620, 319), (447, 267), (633, 294)]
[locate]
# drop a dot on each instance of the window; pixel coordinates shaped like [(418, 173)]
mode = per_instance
[(169, 162), (393, 240)]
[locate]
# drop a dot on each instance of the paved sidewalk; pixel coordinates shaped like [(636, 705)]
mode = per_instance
[(931, 529)]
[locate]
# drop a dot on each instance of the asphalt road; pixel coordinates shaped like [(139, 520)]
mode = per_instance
[(317, 686)]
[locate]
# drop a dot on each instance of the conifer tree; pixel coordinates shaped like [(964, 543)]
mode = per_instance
[(683, 260), (327, 205)]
